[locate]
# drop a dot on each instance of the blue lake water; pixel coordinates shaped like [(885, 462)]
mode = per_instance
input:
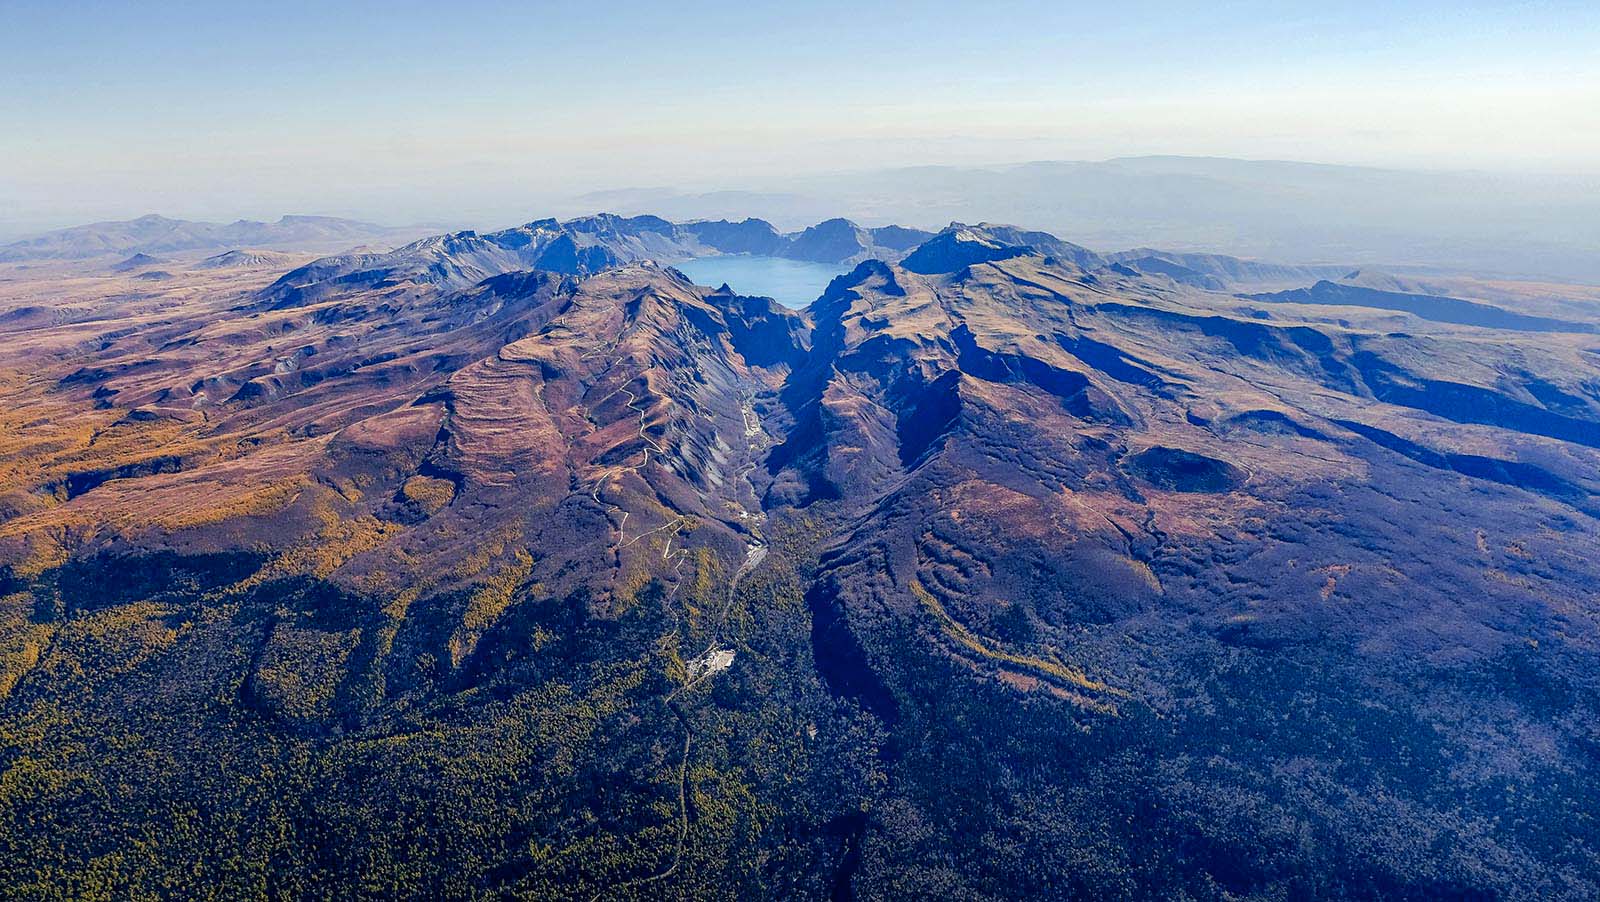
[(792, 283)]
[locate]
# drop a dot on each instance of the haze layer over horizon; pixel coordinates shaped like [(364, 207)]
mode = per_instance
[(396, 113)]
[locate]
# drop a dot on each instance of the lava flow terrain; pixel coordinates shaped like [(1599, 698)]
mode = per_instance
[(518, 565)]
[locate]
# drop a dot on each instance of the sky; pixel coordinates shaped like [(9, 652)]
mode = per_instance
[(407, 112)]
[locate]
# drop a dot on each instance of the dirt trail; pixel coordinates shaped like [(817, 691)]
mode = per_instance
[(713, 659)]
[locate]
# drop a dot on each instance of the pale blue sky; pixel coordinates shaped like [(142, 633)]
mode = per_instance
[(406, 111)]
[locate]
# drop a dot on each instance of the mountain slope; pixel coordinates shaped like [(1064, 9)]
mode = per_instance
[(993, 573), (1218, 272), (1429, 307), (1188, 519), (137, 261), (245, 258)]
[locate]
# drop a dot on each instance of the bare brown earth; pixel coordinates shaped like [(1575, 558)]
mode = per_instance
[(401, 445), (1035, 579)]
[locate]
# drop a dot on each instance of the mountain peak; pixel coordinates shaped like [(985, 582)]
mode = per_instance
[(136, 261), (959, 246)]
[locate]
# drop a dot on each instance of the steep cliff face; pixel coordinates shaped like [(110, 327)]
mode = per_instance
[(997, 571)]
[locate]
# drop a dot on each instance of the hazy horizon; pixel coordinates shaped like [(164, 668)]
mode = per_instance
[(596, 199), (227, 111)]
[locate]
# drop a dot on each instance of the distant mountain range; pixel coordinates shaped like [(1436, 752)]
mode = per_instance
[(1422, 223), (1294, 212), (155, 235)]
